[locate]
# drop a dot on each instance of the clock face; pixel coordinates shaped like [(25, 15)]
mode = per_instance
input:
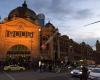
[(20, 26)]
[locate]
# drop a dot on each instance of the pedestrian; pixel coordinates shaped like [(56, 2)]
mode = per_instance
[(84, 75), (50, 67), (40, 66)]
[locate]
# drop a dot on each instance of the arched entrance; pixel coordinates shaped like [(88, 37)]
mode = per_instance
[(18, 54)]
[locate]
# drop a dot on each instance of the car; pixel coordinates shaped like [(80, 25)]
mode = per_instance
[(69, 67), (91, 67), (14, 68), (97, 78), (77, 72), (95, 73)]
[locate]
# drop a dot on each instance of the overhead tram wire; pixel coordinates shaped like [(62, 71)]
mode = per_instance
[(91, 23), (51, 38)]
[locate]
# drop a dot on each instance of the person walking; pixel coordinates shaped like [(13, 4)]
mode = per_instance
[(84, 75)]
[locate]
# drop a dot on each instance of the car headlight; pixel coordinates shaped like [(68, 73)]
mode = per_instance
[(71, 72), (69, 67), (80, 72), (89, 70)]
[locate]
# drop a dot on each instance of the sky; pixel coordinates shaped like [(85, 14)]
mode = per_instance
[(69, 16)]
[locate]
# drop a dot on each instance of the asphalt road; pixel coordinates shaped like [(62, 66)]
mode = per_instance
[(31, 75)]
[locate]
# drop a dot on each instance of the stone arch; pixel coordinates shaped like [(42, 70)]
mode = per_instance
[(19, 51)]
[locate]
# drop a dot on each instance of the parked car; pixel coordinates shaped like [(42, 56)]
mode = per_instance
[(14, 68), (77, 72), (97, 78), (95, 73), (91, 67)]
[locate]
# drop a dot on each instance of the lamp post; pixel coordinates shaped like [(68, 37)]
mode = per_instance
[(31, 46), (70, 52), (39, 43), (58, 44)]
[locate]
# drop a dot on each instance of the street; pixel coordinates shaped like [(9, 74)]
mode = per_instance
[(31, 75)]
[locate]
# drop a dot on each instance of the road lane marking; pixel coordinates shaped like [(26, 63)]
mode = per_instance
[(9, 76)]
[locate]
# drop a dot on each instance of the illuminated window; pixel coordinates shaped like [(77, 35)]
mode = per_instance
[(31, 34)]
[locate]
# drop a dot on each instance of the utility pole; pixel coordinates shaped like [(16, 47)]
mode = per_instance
[(58, 44)]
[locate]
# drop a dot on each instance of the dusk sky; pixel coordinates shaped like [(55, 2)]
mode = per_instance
[(69, 16)]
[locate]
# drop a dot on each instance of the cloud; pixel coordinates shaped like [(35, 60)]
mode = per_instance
[(68, 15), (61, 9), (83, 14), (40, 5), (66, 9)]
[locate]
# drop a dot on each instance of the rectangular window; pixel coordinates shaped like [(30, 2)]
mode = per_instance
[(26, 33), (20, 33), (31, 34), (14, 34), (17, 33), (23, 33)]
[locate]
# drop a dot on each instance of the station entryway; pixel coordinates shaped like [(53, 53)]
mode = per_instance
[(18, 54)]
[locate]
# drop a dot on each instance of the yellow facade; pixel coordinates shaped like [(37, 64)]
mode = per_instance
[(19, 32), (20, 35)]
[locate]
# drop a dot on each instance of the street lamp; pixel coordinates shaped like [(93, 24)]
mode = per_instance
[(31, 46), (40, 43), (70, 52), (58, 46), (39, 29)]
